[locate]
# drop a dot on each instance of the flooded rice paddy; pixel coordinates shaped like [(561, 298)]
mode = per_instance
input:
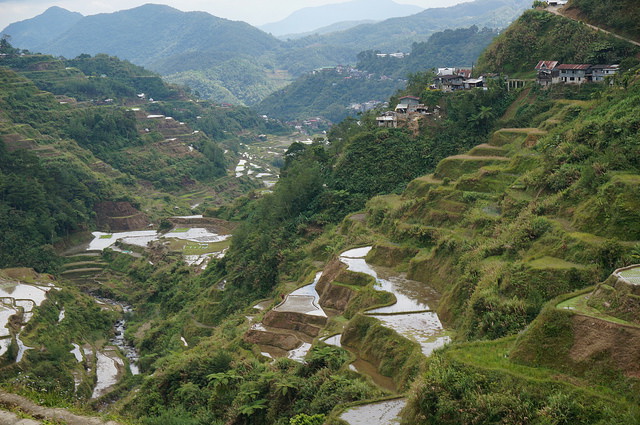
[(381, 413), (411, 316)]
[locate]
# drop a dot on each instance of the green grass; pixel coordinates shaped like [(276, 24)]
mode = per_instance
[(197, 248), (553, 263), (494, 356), (105, 236), (180, 230), (579, 305)]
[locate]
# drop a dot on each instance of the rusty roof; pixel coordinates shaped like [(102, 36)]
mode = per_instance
[(574, 66), (546, 64)]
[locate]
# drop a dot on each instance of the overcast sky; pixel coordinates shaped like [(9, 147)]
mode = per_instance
[(256, 12)]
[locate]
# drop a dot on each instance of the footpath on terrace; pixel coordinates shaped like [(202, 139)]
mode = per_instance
[(561, 11)]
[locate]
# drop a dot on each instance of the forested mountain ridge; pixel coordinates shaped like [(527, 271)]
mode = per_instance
[(330, 93), (207, 51), (84, 131), (35, 32)]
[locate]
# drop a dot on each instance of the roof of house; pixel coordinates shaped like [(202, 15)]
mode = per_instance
[(466, 73), (449, 77), (546, 64), (606, 66), (574, 66)]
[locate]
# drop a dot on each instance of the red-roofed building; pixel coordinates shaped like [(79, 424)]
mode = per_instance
[(546, 65)]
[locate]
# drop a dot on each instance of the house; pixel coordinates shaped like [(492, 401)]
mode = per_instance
[(445, 71), (449, 82), (547, 72), (409, 100), (551, 72), (464, 72), (574, 73), (473, 83), (600, 72), (389, 119)]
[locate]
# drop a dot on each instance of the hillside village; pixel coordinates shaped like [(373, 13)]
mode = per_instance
[(449, 79)]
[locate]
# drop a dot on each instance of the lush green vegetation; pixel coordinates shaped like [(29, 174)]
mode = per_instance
[(234, 62), (504, 201), (620, 16), (329, 93), (459, 388), (39, 204), (539, 35), (452, 48)]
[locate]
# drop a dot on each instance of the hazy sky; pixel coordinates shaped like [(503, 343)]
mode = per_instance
[(256, 12)]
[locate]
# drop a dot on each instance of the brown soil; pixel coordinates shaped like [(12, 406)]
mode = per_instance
[(283, 341), (119, 216), (221, 227), (307, 324), (595, 339), (333, 296)]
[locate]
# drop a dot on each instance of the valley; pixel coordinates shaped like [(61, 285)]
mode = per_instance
[(166, 259)]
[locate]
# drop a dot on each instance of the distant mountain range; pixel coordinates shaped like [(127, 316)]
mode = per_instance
[(338, 26), (232, 61), (310, 19)]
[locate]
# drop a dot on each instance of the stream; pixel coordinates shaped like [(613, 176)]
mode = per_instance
[(119, 340)]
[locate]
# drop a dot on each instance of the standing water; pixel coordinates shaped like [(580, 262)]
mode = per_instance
[(382, 413), (411, 316)]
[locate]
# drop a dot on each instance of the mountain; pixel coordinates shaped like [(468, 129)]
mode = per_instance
[(338, 26), (210, 53), (162, 38), (397, 34), (312, 18), (38, 31), (330, 93)]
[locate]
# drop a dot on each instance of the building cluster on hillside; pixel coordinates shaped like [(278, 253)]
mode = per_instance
[(345, 70), (452, 79), (368, 106), (312, 124), (397, 55), (409, 108), (349, 72), (553, 72)]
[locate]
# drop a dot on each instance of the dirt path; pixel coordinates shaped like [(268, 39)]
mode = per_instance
[(558, 10), (40, 412)]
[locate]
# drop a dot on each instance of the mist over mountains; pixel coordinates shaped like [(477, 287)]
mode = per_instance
[(312, 18)]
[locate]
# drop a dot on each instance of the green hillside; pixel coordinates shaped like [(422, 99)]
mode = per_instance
[(505, 213), (538, 35), (77, 134), (206, 52), (330, 93), (619, 16)]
